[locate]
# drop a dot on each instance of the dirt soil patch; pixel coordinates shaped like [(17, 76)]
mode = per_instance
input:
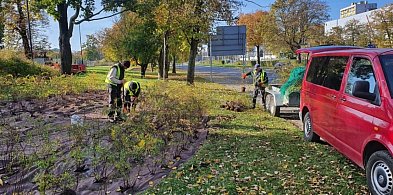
[(55, 109), (234, 106), (24, 120)]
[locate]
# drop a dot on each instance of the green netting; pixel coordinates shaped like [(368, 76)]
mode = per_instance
[(294, 81)]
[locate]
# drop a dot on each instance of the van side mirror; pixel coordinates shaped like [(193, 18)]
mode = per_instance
[(361, 90)]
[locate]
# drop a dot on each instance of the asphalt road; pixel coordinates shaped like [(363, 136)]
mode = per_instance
[(231, 78)]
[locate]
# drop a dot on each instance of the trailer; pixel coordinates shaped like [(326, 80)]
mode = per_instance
[(275, 100)]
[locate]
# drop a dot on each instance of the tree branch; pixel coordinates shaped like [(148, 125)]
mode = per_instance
[(185, 35), (93, 19), (72, 21), (136, 61), (88, 18), (256, 4)]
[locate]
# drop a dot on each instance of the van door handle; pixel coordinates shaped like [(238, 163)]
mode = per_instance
[(343, 99), (333, 96)]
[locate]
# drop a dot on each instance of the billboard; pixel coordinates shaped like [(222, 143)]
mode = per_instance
[(229, 40)]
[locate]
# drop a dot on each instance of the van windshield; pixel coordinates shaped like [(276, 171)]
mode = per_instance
[(387, 66)]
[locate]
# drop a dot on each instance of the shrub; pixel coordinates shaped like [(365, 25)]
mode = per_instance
[(12, 63), (269, 63)]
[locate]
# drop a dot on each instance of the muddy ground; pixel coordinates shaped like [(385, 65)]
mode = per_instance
[(19, 119)]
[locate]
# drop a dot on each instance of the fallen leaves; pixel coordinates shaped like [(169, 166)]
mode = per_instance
[(141, 143)]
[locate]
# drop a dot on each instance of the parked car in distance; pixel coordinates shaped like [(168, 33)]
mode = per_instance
[(347, 99), (78, 68)]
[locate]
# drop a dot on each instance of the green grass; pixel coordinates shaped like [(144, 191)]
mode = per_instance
[(254, 153)]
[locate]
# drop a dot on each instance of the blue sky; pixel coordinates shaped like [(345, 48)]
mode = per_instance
[(95, 26)]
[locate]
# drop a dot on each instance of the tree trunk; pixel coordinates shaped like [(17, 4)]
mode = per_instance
[(294, 47), (191, 61), (21, 28), (143, 70), (258, 55), (174, 65), (1, 26), (161, 64), (1, 34), (25, 42), (64, 39), (167, 63)]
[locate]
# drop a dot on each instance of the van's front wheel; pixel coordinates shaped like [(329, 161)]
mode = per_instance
[(379, 173), (309, 134)]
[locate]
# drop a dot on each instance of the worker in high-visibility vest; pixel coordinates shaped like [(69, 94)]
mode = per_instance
[(115, 81), (260, 81), (131, 92)]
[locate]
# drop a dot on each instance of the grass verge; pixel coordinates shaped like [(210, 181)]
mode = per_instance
[(254, 153)]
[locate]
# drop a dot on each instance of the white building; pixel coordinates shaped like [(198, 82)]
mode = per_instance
[(360, 15), (357, 8)]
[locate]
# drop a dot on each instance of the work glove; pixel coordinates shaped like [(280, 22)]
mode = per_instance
[(244, 76)]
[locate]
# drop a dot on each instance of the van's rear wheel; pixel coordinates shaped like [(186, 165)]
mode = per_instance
[(271, 107), (309, 134), (379, 173)]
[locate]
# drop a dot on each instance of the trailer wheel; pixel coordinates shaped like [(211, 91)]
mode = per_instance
[(271, 106)]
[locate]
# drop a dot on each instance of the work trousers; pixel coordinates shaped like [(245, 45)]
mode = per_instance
[(130, 101), (258, 90), (115, 102)]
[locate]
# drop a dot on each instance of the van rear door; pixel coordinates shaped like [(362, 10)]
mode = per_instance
[(321, 90)]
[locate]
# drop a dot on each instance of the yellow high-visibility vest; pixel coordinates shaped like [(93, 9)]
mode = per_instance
[(127, 87)]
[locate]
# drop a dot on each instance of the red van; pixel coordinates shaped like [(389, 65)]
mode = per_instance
[(347, 99)]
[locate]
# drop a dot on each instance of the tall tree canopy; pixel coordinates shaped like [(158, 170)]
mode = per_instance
[(84, 10), (294, 19), (134, 36), (353, 32), (256, 35), (16, 25), (195, 19), (383, 25), (91, 48)]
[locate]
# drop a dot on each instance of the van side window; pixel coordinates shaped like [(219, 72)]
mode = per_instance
[(361, 70), (327, 71), (335, 72), (317, 70)]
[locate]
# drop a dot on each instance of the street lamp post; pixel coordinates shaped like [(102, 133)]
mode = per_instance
[(28, 23), (80, 42)]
